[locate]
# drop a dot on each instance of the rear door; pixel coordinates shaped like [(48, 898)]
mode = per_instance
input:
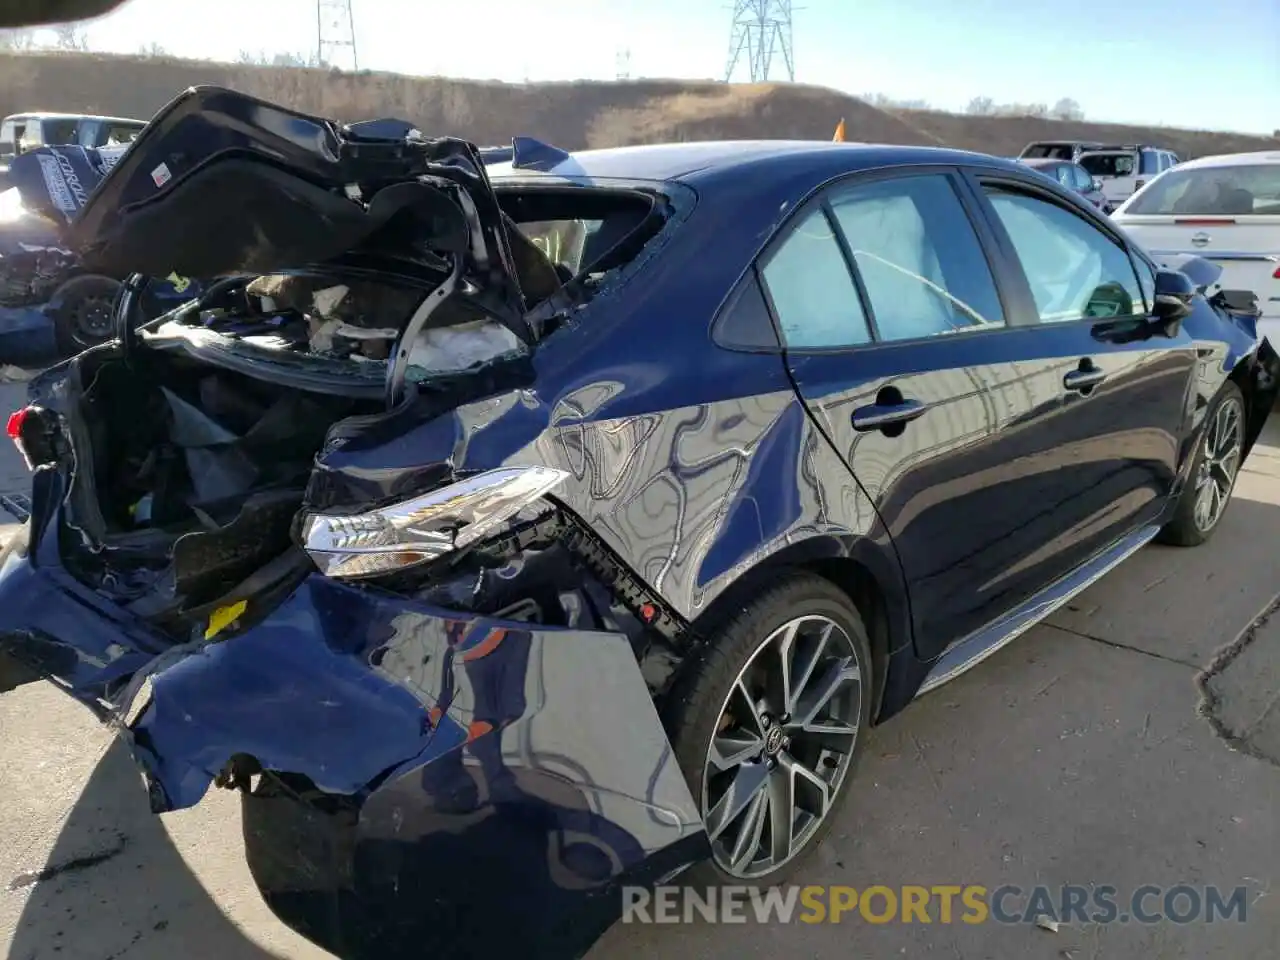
[(902, 337), (1229, 214), (1111, 453)]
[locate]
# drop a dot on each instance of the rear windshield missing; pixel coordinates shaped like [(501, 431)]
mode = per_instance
[(1108, 164), (1212, 191)]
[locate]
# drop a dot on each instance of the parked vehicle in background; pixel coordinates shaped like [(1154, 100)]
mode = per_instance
[(1074, 177), (1123, 170), (21, 132), (1056, 149), (1225, 209), (42, 280), (498, 582)]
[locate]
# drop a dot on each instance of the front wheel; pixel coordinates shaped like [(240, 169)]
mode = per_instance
[(768, 725), (1213, 472)]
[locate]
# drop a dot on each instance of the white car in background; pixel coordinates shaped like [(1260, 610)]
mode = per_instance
[(1124, 170), (1225, 209)]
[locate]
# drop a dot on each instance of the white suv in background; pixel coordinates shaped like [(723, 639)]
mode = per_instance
[(1126, 169), (1225, 209)]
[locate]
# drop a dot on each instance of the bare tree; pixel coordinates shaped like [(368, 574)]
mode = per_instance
[(153, 49), (20, 38), (295, 60), (69, 36), (981, 107), (1067, 109), (1022, 110), (261, 58), (883, 101)]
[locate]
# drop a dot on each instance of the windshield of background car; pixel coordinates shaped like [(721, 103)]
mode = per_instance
[(1049, 151), (1109, 164), (1212, 191), (58, 131)]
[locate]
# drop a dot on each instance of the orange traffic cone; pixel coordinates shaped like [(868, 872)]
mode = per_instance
[(839, 137)]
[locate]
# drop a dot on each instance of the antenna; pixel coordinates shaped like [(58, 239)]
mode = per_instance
[(336, 35), (761, 29)]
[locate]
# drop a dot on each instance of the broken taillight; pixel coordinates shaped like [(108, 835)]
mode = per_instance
[(14, 429), (425, 527)]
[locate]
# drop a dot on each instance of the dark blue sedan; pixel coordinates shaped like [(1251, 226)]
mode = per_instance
[(510, 537)]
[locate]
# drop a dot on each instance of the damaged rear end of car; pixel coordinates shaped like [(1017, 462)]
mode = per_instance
[(389, 661)]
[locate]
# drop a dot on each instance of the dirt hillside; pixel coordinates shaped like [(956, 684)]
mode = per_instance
[(571, 115)]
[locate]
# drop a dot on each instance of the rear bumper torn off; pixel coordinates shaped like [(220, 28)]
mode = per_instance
[(435, 780)]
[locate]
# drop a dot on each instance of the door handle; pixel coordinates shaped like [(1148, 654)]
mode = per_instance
[(877, 416), (1084, 379)]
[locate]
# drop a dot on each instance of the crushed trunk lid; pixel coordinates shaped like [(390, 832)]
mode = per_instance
[(223, 184)]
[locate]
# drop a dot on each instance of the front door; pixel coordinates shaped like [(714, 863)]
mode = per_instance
[(1111, 454)]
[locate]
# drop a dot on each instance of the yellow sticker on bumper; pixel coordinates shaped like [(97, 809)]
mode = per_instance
[(223, 617)]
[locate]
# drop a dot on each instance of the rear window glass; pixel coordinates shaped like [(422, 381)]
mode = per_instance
[(58, 131), (1212, 191), (1151, 162), (1052, 151), (1108, 164)]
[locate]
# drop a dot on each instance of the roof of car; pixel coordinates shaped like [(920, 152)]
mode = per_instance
[(714, 159), (1233, 160), (1044, 161)]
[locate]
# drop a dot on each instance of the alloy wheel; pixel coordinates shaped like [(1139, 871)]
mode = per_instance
[(782, 746), (1223, 442)]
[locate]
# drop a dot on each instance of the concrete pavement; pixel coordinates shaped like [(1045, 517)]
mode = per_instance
[(1133, 739)]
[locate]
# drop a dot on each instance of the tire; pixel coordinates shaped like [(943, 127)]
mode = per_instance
[(698, 708), (1188, 527), (83, 313)]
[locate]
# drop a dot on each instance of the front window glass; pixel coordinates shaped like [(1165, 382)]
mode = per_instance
[(1075, 270)]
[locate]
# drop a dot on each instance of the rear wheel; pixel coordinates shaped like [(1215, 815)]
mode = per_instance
[(768, 726), (1213, 472), (83, 317)]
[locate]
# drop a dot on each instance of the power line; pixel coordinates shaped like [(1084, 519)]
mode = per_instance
[(761, 30), (336, 35)]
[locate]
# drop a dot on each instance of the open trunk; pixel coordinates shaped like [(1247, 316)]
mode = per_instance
[(368, 271), (186, 478)]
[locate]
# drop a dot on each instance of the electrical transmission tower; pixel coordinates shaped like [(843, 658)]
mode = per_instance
[(761, 29), (624, 64), (336, 35)]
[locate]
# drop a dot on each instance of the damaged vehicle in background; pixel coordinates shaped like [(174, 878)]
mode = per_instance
[(48, 299), (509, 536)]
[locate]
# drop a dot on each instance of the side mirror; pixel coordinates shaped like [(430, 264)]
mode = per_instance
[(1175, 292)]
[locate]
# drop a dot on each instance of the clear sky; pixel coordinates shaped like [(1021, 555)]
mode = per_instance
[(1194, 63)]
